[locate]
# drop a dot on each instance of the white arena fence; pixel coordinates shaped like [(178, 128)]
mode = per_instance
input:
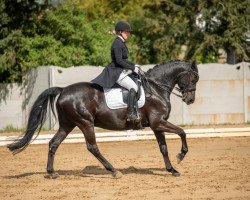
[(136, 135)]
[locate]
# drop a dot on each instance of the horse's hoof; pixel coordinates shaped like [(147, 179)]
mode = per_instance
[(179, 157), (117, 174), (176, 174), (51, 176)]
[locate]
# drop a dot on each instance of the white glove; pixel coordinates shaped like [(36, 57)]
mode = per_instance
[(136, 70)]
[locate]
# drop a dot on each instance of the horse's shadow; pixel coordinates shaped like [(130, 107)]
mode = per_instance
[(97, 171)]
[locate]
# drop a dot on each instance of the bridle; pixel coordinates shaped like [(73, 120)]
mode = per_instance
[(166, 87)]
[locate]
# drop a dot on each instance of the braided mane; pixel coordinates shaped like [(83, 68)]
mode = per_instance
[(169, 64)]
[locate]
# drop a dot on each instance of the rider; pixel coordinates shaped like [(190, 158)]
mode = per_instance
[(120, 68)]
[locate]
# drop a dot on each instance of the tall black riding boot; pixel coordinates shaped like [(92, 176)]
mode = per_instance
[(132, 107)]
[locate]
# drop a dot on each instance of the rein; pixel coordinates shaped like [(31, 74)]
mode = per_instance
[(166, 87), (162, 86)]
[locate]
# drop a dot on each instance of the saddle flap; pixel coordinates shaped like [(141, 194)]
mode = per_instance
[(116, 98)]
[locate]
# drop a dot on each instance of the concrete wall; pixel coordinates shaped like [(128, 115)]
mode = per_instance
[(222, 96), (11, 110)]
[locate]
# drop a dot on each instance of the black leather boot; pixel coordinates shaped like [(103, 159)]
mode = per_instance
[(132, 114)]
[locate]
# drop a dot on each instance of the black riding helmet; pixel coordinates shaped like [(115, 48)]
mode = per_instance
[(122, 26)]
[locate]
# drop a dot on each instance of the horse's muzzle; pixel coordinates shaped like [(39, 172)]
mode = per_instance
[(188, 97)]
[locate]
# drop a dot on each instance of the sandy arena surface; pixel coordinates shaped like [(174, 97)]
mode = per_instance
[(215, 168)]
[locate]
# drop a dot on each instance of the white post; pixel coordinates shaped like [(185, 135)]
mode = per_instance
[(245, 92), (184, 113), (51, 84)]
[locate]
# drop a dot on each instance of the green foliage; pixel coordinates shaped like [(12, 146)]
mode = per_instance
[(57, 41), (17, 19), (223, 25), (9, 70), (62, 37), (34, 33)]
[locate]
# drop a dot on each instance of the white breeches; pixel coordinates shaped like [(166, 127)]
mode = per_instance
[(125, 81)]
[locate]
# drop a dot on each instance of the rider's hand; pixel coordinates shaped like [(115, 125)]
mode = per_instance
[(136, 70)]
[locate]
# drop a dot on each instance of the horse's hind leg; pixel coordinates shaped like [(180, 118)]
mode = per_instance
[(89, 135), (53, 145)]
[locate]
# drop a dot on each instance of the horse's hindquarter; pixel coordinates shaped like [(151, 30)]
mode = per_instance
[(78, 103)]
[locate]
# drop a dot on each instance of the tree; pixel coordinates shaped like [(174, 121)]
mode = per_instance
[(61, 36), (203, 26), (71, 33), (17, 19)]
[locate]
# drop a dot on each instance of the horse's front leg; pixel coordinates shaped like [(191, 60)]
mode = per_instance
[(166, 126), (160, 136)]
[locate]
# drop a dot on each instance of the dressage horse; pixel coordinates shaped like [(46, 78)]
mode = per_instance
[(83, 105)]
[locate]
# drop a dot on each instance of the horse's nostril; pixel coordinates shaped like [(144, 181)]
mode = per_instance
[(191, 101)]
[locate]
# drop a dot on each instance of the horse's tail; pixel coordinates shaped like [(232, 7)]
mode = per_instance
[(36, 119)]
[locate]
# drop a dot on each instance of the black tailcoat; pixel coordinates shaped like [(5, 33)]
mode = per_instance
[(111, 73)]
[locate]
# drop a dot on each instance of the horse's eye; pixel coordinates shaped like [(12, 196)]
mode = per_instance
[(182, 85)]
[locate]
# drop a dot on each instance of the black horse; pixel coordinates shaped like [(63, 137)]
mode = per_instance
[(83, 105)]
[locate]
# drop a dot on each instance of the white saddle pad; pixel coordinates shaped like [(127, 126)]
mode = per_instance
[(114, 98)]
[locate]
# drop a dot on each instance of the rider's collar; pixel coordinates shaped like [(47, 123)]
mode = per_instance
[(121, 38)]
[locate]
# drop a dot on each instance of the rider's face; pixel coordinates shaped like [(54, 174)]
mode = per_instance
[(125, 34)]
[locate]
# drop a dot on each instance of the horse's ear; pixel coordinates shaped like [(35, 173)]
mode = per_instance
[(194, 65)]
